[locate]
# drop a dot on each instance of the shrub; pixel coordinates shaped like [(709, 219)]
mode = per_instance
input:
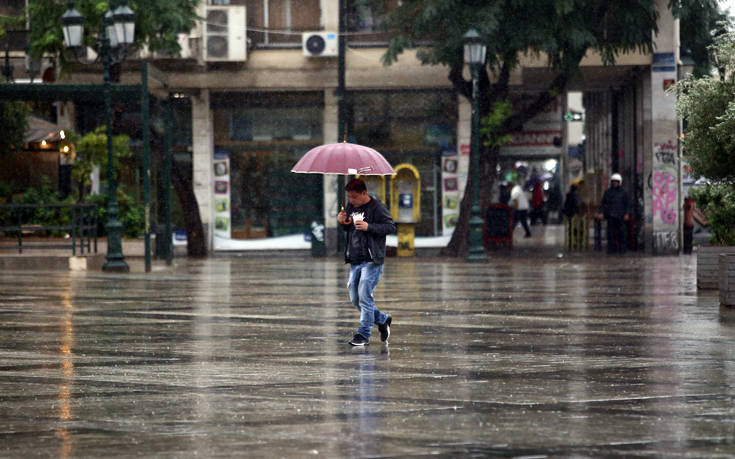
[(718, 202)]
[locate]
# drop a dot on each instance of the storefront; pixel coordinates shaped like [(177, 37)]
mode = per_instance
[(258, 137), (414, 127)]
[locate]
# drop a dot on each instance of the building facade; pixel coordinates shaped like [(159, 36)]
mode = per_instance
[(256, 85)]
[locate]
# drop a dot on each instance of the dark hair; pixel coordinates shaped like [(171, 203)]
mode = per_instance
[(356, 185)]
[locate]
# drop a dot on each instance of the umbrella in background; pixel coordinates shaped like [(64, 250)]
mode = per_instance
[(344, 159)]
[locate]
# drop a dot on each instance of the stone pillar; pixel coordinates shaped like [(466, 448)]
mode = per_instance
[(330, 181), (661, 167), (202, 156)]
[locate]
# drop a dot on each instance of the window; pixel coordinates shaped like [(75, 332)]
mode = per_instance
[(363, 20), (280, 22)]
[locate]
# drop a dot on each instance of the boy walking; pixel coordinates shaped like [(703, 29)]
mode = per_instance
[(366, 222)]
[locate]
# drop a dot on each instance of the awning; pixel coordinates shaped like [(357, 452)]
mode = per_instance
[(40, 129)]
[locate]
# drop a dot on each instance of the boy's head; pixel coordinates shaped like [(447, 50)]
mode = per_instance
[(357, 192)]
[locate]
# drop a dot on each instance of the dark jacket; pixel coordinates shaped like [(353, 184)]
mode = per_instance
[(614, 203), (380, 224), (571, 203)]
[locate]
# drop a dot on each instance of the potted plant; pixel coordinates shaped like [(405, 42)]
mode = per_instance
[(707, 105)]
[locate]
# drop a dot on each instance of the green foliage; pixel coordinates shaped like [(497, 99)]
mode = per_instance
[(707, 105), (41, 216), (491, 125), (91, 150), (157, 23), (13, 126), (697, 20), (6, 189), (131, 214), (718, 202), (563, 29)]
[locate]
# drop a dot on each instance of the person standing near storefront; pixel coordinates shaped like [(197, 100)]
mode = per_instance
[(614, 208), (366, 222)]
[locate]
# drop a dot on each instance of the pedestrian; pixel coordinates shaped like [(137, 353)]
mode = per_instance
[(614, 208), (572, 202), (537, 203), (519, 202), (366, 227)]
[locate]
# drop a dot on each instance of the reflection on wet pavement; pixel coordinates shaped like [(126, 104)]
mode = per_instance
[(236, 356)]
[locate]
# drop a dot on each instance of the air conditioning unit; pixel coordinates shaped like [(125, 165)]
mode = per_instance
[(224, 34), (319, 44)]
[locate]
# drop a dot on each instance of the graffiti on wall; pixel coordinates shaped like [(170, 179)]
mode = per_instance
[(666, 241), (664, 184)]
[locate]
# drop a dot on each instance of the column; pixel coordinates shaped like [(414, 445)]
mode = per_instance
[(330, 181), (202, 155), (662, 203)]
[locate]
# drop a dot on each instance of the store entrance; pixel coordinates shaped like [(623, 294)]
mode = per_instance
[(541, 181)]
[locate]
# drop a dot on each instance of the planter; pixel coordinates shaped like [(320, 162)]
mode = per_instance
[(708, 265), (727, 279)]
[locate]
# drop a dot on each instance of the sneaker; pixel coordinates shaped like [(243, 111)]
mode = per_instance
[(359, 340), (385, 328)]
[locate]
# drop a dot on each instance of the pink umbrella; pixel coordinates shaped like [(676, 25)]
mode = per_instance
[(345, 159)]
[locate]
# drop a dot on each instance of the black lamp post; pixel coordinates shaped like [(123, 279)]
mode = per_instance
[(474, 55), (117, 34)]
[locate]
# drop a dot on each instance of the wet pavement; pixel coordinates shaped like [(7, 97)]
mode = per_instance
[(242, 356)]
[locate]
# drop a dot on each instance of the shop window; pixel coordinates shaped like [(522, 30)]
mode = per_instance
[(265, 134)]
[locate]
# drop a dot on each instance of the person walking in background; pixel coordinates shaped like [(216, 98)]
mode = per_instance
[(519, 202), (537, 203), (614, 208), (366, 222)]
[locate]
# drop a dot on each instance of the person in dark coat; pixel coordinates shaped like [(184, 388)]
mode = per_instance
[(572, 202), (366, 222), (614, 207)]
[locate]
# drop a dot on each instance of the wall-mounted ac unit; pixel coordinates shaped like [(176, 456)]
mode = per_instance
[(319, 44), (224, 34)]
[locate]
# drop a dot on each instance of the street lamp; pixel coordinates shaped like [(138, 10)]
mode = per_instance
[(117, 35), (474, 56)]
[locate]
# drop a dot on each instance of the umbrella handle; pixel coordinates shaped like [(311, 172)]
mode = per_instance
[(349, 220)]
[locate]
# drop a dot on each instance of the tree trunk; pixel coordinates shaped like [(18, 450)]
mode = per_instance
[(196, 244)]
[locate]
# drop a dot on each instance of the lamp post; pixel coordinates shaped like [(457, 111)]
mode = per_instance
[(117, 34), (474, 56)]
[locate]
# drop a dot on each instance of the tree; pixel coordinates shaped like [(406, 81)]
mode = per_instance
[(707, 105), (157, 25), (13, 114), (561, 31), (91, 150)]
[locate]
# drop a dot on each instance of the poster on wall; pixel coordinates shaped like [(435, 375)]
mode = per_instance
[(451, 193), (222, 217)]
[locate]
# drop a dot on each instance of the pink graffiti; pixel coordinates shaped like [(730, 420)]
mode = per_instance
[(664, 195)]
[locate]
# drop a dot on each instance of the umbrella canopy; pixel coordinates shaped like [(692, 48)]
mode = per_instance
[(344, 159)]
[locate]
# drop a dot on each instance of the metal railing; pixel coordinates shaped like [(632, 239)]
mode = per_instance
[(18, 221)]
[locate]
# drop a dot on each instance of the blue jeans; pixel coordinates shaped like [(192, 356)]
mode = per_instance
[(363, 280)]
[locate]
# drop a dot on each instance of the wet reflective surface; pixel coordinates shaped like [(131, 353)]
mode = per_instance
[(527, 356)]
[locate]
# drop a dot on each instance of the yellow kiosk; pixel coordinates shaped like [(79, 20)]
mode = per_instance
[(405, 206), (375, 185)]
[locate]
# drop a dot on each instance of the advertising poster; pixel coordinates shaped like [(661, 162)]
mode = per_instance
[(451, 191), (222, 217)]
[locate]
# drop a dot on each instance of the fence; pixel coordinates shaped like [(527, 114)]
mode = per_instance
[(77, 222)]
